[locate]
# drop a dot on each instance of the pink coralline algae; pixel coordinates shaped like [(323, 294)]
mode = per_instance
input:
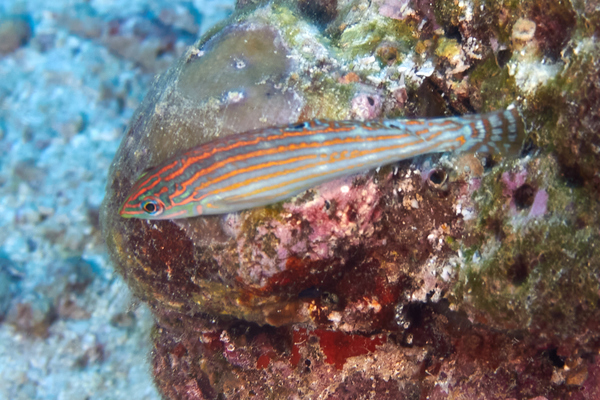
[(523, 195), (340, 209), (540, 202), (512, 181), (366, 106), (335, 216), (396, 9)]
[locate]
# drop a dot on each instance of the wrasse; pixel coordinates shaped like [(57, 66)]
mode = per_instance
[(265, 166)]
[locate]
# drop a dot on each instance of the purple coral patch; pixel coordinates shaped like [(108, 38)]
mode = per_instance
[(540, 204), (397, 9), (366, 106), (512, 181)]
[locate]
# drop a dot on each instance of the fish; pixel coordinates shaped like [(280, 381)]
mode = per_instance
[(269, 165)]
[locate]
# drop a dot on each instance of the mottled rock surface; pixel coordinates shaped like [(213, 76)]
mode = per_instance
[(440, 277)]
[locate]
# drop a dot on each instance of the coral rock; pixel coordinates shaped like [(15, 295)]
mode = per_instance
[(440, 277)]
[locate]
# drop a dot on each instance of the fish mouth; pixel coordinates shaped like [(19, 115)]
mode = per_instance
[(123, 211)]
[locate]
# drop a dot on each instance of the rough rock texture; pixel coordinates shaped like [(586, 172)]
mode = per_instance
[(441, 277)]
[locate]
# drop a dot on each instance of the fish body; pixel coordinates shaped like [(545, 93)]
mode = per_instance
[(265, 166)]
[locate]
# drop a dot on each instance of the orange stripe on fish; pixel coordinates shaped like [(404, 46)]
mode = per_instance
[(260, 167)]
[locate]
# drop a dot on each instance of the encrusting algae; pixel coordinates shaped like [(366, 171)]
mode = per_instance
[(438, 276)]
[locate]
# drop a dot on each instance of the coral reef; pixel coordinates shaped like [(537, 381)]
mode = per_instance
[(452, 276)]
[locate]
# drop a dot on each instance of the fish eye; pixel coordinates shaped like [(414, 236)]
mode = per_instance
[(152, 207)]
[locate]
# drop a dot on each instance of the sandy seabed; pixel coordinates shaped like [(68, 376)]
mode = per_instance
[(69, 327)]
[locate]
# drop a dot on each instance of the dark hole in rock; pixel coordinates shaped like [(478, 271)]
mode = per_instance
[(488, 162), (415, 314), (251, 330), (524, 196), (453, 32), (580, 223), (431, 99), (371, 101), (320, 11), (518, 272), (310, 293), (553, 356), (352, 215), (503, 56), (438, 177), (528, 148), (572, 174)]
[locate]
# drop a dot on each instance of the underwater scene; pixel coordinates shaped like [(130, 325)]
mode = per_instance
[(295, 199)]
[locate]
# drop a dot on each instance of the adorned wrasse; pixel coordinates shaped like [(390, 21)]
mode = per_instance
[(265, 166)]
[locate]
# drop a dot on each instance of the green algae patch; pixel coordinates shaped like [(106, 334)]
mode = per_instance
[(535, 262), (290, 25), (448, 13), (331, 103), (299, 34), (447, 48), (564, 111), (497, 88), (544, 278), (362, 38)]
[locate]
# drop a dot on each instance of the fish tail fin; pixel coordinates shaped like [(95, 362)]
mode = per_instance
[(497, 132)]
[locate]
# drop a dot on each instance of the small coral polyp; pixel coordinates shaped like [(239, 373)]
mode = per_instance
[(441, 276)]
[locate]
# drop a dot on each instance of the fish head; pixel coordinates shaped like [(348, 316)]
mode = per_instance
[(149, 198)]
